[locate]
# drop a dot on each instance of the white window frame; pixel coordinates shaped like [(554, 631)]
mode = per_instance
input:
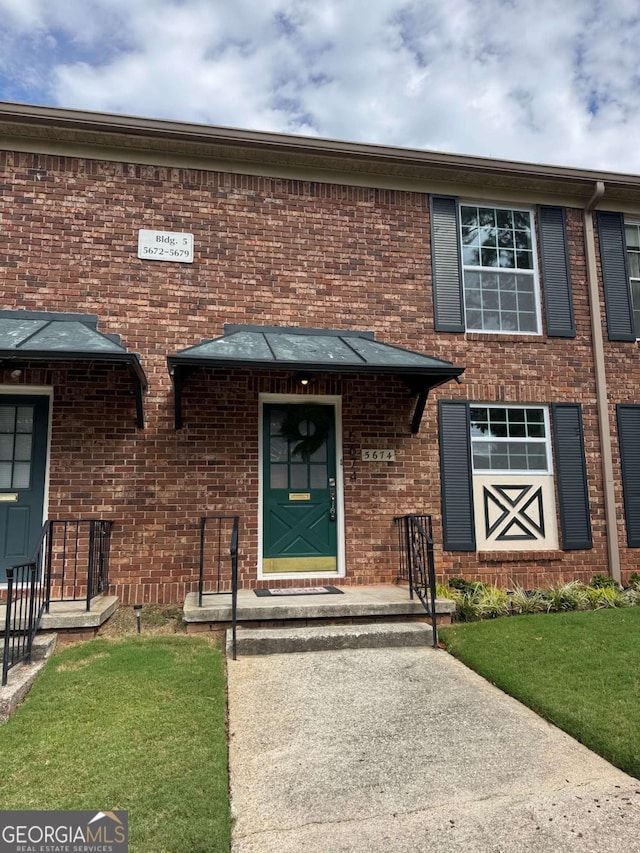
[(634, 223), (535, 273), (489, 440)]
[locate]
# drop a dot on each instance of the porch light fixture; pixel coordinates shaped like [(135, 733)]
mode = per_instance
[(303, 378), (137, 609)]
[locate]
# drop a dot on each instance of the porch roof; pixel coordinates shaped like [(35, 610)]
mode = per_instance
[(309, 350), (47, 336)]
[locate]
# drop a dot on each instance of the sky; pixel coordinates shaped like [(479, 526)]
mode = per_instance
[(542, 81)]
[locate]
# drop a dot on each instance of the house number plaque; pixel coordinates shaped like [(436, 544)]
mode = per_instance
[(378, 456), (165, 246)]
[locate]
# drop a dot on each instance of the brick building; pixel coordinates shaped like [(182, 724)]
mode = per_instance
[(386, 331)]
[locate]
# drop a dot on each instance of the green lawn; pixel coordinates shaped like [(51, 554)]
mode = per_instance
[(580, 670), (137, 724)]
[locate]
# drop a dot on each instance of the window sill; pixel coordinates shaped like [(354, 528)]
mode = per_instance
[(507, 337), (519, 556)]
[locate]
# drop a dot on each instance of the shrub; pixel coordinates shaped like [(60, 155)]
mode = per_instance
[(463, 585), (607, 596), (475, 600), (467, 609), (600, 581), (492, 602), (566, 596), (523, 602), (632, 595), (634, 580), (443, 590)]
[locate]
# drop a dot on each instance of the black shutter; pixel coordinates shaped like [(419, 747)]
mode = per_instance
[(615, 276), (571, 476), (629, 443), (556, 277), (445, 259), (456, 476)]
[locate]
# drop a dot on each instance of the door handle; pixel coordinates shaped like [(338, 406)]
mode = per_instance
[(332, 499)]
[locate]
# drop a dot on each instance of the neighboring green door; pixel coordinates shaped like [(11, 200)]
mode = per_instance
[(299, 485), (23, 453)]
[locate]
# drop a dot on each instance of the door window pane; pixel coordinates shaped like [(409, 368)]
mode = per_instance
[(278, 476), (5, 475), (318, 476), (278, 449), (6, 447), (277, 416), (299, 478), (21, 475), (24, 419), (307, 428), (320, 455), (7, 418), (23, 447)]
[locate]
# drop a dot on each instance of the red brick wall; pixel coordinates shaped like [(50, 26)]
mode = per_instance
[(267, 251)]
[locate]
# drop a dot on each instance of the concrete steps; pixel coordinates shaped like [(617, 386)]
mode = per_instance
[(355, 603), (266, 641)]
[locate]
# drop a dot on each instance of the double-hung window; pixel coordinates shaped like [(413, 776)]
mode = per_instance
[(499, 269), (510, 439), (632, 238)]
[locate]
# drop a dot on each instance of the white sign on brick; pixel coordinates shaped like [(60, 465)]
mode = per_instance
[(165, 246)]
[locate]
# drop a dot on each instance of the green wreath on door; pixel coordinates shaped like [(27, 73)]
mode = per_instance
[(319, 420)]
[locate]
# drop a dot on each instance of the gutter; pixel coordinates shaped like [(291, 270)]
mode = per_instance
[(602, 396), (81, 121)]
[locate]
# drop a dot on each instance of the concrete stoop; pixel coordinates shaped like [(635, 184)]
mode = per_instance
[(22, 676), (266, 641)]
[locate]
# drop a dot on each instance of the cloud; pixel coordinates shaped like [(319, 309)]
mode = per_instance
[(551, 82)]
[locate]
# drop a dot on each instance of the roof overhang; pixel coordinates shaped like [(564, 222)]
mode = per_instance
[(146, 140), (305, 350), (45, 336)]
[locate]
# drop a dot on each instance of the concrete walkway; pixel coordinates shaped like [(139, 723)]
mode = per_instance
[(396, 750)]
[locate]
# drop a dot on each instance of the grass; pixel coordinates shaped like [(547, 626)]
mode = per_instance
[(135, 724), (579, 670)]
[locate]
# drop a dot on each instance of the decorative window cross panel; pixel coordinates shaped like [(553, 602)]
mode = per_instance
[(512, 481), (513, 513)]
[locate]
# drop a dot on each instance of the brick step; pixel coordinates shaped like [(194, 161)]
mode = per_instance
[(265, 641)]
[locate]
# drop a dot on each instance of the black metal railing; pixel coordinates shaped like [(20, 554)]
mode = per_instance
[(78, 560), (26, 602), (70, 563), (417, 566), (219, 562)]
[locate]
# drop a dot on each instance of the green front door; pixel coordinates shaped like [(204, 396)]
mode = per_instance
[(299, 491), (23, 454)]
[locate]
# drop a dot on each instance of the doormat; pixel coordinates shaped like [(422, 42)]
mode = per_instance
[(298, 590)]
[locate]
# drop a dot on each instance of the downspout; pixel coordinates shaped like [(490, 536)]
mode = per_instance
[(602, 396)]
